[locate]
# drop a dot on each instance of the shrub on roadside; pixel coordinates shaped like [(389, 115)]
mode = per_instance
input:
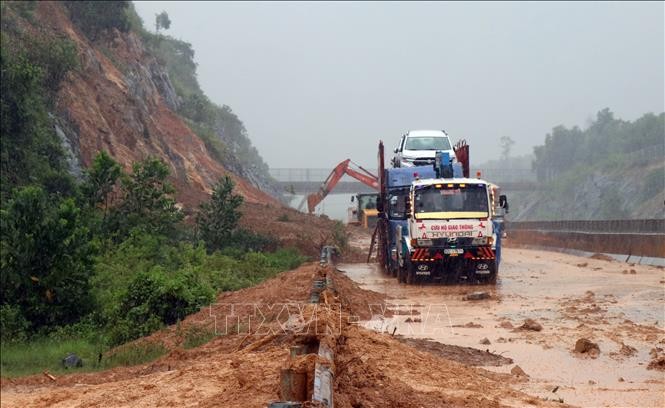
[(13, 326)]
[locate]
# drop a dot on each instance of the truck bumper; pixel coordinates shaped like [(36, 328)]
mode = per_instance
[(454, 264)]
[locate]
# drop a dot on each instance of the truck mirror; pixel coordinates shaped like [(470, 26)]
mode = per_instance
[(395, 150), (352, 198), (379, 204), (503, 202), (407, 207)]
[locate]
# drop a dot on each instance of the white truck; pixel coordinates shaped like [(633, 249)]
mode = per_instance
[(453, 229)]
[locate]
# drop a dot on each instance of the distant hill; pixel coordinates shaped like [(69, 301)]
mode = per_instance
[(614, 169)]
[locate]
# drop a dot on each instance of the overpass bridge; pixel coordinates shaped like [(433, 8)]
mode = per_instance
[(308, 180)]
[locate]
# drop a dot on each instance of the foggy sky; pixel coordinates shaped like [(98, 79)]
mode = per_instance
[(316, 83)]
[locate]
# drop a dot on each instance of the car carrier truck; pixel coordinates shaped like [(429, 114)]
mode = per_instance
[(436, 224)]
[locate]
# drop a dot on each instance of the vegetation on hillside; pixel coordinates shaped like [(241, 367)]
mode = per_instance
[(607, 140), (96, 262), (613, 169)]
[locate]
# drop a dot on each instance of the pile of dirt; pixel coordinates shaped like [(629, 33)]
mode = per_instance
[(360, 304), (530, 325), (465, 355), (657, 359), (263, 308), (602, 257), (307, 233), (587, 347)]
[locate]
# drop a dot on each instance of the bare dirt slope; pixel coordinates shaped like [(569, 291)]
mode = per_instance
[(308, 233), (121, 100)]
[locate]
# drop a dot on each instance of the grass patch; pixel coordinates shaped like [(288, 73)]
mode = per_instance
[(196, 336), (133, 354), (36, 356)]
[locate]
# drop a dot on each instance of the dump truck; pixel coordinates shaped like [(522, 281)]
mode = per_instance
[(436, 224)]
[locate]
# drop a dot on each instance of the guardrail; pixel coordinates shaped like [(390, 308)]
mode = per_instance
[(643, 237), (647, 226)]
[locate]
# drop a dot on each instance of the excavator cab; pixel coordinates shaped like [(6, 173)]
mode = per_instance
[(364, 212)]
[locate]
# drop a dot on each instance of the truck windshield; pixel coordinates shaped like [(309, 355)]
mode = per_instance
[(451, 201), (427, 143)]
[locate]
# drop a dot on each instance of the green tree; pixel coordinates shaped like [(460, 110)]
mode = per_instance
[(47, 258), (100, 180), (148, 201), (162, 20), (218, 218)]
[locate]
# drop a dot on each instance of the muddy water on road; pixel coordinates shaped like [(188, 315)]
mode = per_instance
[(609, 303)]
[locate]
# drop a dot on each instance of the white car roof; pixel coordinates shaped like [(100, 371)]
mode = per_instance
[(430, 133), (449, 181)]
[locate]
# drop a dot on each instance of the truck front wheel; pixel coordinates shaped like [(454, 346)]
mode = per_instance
[(491, 273), (494, 272), (410, 277)]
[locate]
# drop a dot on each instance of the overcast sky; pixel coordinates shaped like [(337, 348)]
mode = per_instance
[(316, 83)]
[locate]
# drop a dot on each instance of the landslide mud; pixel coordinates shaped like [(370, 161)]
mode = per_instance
[(242, 369), (571, 298)]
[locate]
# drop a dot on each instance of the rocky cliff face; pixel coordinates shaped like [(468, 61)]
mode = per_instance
[(610, 194), (121, 100)]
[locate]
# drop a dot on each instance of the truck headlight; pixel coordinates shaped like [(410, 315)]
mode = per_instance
[(424, 242)]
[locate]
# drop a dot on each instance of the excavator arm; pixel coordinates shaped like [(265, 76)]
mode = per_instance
[(335, 175)]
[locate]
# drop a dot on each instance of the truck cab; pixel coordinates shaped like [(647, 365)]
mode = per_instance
[(453, 228), (398, 185)]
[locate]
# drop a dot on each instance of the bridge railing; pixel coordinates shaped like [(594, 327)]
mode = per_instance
[(320, 174)]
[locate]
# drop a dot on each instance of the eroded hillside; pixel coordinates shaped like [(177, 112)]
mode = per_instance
[(121, 99)]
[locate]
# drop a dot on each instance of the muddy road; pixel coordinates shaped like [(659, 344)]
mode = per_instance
[(615, 305)]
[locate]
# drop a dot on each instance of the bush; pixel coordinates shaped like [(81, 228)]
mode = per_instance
[(47, 259), (156, 298), (13, 326), (245, 241), (340, 236), (96, 17), (56, 57)]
